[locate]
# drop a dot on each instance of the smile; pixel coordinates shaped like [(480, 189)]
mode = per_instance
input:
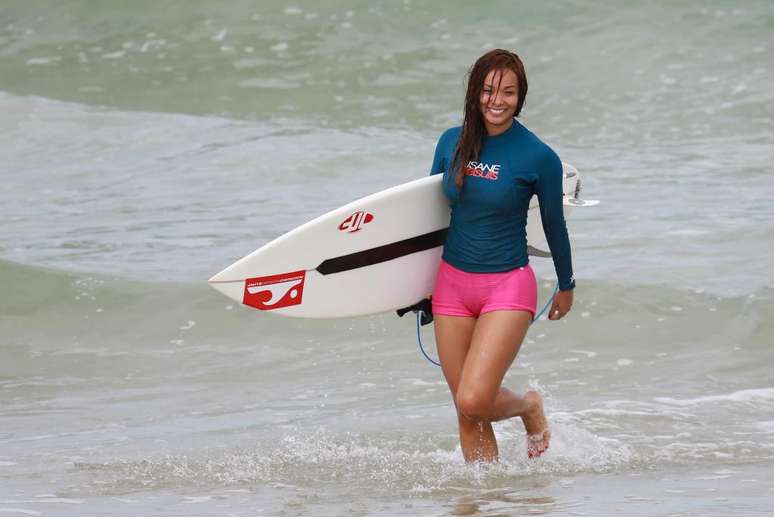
[(496, 111)]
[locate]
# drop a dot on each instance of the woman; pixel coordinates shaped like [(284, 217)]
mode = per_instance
[(486, 293)]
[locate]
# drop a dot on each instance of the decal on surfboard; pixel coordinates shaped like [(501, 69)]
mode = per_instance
[(275, 291), (355, 221)]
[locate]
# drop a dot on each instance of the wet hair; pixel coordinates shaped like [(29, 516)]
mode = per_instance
[(473, 128)]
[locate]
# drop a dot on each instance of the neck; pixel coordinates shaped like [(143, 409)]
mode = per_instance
[(492, 130)]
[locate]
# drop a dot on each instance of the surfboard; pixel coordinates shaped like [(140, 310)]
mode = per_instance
[(375, 254)]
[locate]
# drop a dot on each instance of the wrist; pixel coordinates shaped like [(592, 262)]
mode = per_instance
[(568, 286)]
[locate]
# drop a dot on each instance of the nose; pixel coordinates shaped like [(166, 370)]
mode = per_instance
[(495, 99)]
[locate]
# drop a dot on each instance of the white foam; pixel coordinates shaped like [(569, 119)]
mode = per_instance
[(188, 326), (587, 353), (752, 395), (766, 426), (114, 55), (62, 500), (421, 465), (422, 382), (42, 60), (686, 232), (38, 437), (220, 36), (197, 499), (614, 412)]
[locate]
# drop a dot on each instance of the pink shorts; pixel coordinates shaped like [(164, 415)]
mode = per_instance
[(459, 293)]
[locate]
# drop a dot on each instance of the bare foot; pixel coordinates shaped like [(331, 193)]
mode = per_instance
[(538, 434)]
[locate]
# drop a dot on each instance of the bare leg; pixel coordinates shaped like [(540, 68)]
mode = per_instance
[(538, 434), (496, 340), (479, 436), (475, 354), (453, 335)]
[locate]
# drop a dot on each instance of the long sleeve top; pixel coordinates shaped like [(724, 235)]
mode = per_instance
[(487, 232)]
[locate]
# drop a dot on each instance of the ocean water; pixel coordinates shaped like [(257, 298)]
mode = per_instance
[(145, 146)]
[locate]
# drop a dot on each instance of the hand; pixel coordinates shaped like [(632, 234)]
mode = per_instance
[(561, 305)]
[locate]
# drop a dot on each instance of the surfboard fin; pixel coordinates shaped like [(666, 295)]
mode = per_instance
[(425, 307), (534, 252)]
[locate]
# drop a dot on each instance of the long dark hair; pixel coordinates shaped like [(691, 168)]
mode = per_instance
[(473, 129)]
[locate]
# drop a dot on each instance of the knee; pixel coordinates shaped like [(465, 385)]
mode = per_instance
[(473, 405)]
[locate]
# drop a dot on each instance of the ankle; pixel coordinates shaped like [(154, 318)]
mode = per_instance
[(532, 406)]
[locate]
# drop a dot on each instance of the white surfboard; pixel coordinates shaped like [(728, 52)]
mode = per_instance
[(376, 254)]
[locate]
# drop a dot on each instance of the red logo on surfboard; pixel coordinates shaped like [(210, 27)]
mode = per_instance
[(274, 292), (355, 221)]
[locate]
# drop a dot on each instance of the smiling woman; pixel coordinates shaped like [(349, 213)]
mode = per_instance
[(499, 100), (485, 294), (497, 88)]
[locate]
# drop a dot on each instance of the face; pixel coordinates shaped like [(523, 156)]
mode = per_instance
[(499, 98)]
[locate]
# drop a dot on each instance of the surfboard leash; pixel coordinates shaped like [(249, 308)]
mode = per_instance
[(424, 318), (420, 314)]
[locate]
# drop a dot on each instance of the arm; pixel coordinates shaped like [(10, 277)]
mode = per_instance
[(439, 160), (548, 188)]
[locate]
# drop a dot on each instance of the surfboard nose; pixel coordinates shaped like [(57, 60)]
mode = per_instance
[(225, 283), (217, 277), (233, 289), (227, 275)]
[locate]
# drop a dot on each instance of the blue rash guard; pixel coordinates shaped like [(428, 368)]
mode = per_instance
[(488, 233)]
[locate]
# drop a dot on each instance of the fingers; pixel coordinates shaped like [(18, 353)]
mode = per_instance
[(557, 311)]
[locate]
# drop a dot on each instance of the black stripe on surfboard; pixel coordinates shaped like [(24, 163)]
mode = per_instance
[(383, 253)]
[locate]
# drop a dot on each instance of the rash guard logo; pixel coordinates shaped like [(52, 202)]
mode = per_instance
[(483, 170), (355, 221), (274, 292)]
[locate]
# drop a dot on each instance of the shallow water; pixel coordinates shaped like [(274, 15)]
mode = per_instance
[(146, 147)]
